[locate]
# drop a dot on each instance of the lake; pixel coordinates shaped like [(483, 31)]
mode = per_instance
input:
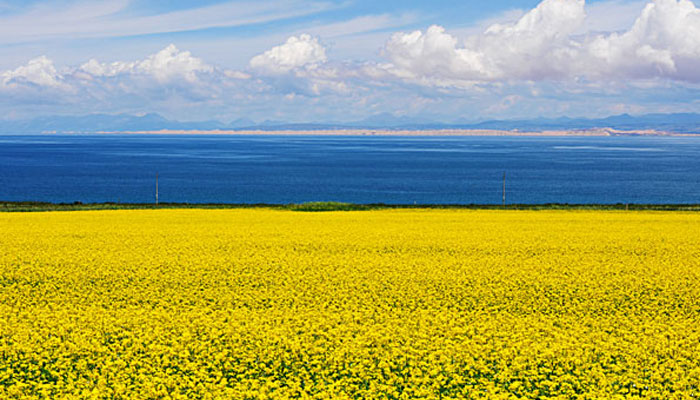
[(358, 169)]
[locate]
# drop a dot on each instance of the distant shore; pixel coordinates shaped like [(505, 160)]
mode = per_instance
[(403, 132)]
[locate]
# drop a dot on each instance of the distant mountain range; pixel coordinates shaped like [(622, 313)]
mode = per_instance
[(679, 123)]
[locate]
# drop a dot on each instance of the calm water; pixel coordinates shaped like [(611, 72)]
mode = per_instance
[(283, 169)]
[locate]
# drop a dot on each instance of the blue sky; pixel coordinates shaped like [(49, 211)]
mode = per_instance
[(313, 61)]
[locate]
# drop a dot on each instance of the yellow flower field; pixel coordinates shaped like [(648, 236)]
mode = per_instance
[(394, 304)]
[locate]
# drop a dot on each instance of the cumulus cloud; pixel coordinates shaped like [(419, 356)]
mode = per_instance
[(298, 51), (503, 51), (300, 67), (39, 71), (433, 57), (167, 65), (542, 45), (166, 79), (663, 42)]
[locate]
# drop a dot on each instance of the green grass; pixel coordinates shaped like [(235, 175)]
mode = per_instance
[(334, 206), (329, 206)]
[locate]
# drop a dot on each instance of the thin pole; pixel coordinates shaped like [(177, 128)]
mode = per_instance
[(156, 188), (504, 189)]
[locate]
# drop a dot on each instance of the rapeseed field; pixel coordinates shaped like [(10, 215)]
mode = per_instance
[(391, 304)]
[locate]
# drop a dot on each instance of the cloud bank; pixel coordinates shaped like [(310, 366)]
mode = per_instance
[(542, 61), (664, 42), (165, 66)]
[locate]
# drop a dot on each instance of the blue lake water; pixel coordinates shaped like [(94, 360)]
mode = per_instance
[(359, 169)]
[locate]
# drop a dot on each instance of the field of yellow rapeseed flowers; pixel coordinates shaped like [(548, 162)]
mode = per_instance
[(392, 304)]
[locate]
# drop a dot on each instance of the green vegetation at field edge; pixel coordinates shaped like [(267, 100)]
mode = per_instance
[(335, 206)]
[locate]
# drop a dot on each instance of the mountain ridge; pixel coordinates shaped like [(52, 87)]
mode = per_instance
[(97, 123)]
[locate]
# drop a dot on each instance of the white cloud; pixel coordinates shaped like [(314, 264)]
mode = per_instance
[(39, 71), (167, 65), (172, 63), (237, 74), (433, 57), (545, 59), (95, 68), (664, 42), (298, 51), (533, 47), (550, 19)]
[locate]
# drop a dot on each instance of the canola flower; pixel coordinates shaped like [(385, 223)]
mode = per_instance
[(392, 304)]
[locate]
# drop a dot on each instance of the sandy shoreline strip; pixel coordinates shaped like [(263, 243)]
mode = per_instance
[(400, 132)]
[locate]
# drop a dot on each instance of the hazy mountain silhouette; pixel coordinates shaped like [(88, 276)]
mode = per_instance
[(93, 123)]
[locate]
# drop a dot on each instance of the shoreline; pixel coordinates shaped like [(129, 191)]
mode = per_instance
[(601, 132)]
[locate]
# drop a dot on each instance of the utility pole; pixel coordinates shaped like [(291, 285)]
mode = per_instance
[(156, 188), (504, 189)]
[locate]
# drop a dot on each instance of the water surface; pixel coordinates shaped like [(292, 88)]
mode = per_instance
[(360, 169)]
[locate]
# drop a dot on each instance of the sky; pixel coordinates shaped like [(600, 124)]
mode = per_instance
[(347, 60)]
